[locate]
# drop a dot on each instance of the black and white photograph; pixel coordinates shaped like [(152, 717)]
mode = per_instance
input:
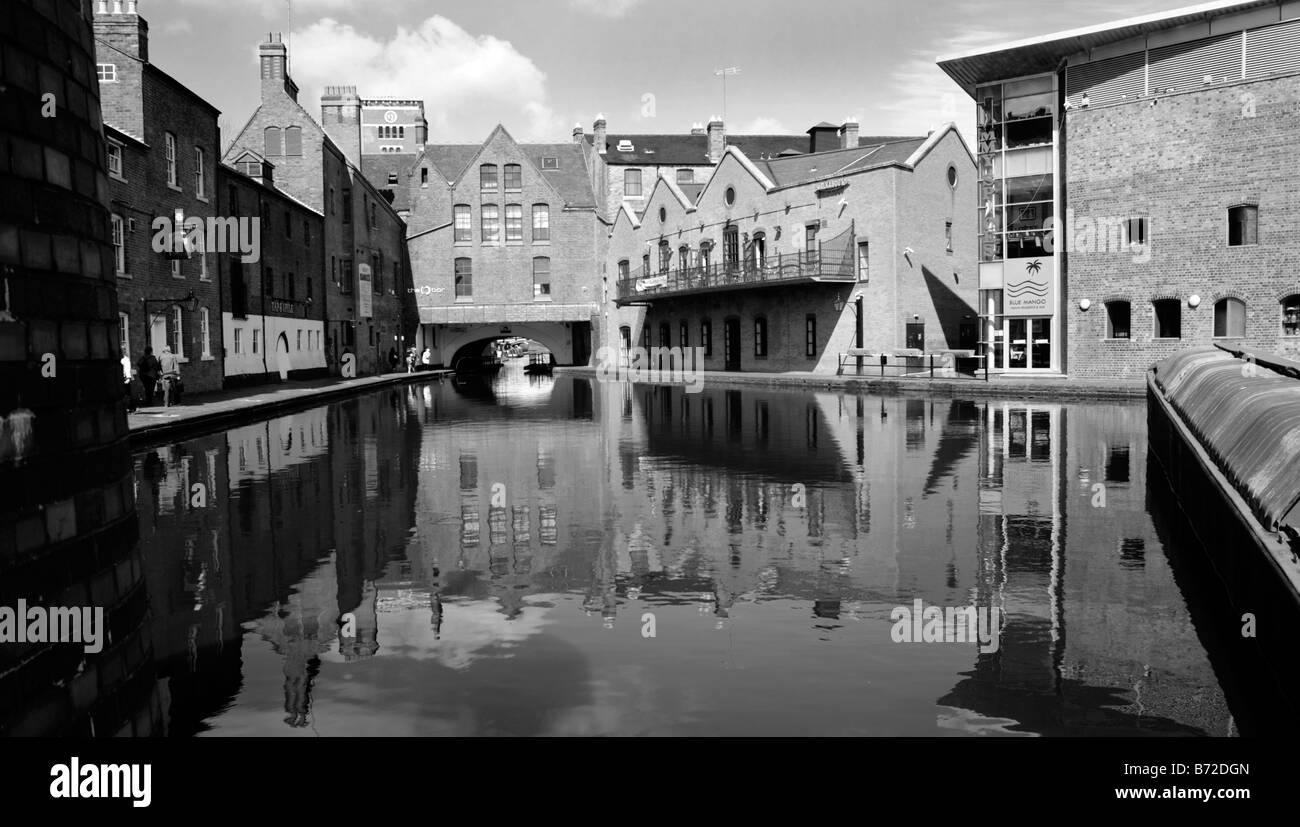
[(902, 382)]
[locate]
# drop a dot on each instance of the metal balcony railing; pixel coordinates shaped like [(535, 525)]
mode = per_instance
[(784, 267)]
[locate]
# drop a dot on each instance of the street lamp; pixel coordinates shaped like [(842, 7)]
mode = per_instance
[(189, 303)]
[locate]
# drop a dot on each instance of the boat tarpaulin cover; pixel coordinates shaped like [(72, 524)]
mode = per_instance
[(1247, 417)]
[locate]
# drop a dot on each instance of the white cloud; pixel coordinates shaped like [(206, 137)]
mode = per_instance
[(277, 8), (177, 27), (605, 8), (762, 126), (468, 82)]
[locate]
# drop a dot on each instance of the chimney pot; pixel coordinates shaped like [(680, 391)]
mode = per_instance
[(717, 140), (130, 7), (117, 6)]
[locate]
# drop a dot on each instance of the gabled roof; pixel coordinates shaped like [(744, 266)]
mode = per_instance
[(693, 150), (571, 180), (802, 169)]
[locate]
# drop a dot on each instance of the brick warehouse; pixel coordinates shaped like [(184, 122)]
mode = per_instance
[(505, 240), (1170, 137), (271, 319), (772, 264), (68, 525), (163, 144), (366, 288)]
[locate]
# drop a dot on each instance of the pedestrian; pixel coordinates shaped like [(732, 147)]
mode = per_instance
[(171, 377), (410, 359), (392, 359), (148, 366), (127, 376), (426, 359)]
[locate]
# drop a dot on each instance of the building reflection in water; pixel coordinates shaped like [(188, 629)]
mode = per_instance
[(498, 546)]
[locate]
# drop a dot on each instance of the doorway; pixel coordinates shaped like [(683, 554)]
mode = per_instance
[(731, 344), (1029, 343)]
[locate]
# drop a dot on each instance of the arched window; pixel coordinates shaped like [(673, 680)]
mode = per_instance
[(706, 254), (706, 336), (624, 270), (1169, 318), (1230, 318), (730, 248), (1118, 316), (1291, 315), (625, 334), (491, 224), (487, 176), (683, 256), (293, 141), (758, 249), (684, 334), (514, 177), (665, 255), (271, 142)]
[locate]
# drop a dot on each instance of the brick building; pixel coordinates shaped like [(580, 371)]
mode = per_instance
[(773, 263), (272, 322), (68, 525), (1162, 145), (365, 274), (505, 240), (162, 149)]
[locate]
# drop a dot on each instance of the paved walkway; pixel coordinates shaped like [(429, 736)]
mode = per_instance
[(205, 410), (999, 386)]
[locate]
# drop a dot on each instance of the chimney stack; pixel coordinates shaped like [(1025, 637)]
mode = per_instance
[(340, 114), (577, 133), (275, 68), (118, 24), (598, 130), (849, 133), (717, 139)]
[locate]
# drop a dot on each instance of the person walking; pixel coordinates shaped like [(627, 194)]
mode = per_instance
[(392, 360), (127, 376), (427, 359), (410, 359), (171, 377), (148, 367)]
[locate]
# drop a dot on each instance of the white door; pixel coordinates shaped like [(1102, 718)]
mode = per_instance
[(158, 334)]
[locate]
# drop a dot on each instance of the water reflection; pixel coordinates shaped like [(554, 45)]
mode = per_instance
[(528, 555)]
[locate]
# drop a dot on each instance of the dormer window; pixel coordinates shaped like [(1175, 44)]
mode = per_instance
[(392, 177), (624, 145), (550, 163)]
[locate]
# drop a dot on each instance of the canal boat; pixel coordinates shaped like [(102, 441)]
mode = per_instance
[(540, 364)]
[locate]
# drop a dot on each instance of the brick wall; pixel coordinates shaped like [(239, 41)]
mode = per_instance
[(1182, 160), (67, 521)]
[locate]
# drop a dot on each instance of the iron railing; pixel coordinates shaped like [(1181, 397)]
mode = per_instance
[(783, 267)]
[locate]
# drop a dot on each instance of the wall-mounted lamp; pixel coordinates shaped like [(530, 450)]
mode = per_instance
[(1193, 300), (1084, 304)]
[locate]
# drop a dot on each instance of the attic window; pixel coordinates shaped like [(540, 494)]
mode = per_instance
[(550, 163), (624, 145), (392, 177)]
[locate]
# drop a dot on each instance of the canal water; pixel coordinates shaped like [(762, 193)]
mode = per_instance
[(561, 556)]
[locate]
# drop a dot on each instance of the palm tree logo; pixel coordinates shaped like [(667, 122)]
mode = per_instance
[(1034, 266)]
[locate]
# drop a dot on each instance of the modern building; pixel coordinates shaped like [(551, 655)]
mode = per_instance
[(272, 319), (786, 263), (505, 241), (1137, 191), (365, 286), (162, 149)]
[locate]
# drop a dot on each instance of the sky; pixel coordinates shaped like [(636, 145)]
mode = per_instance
[(540, 66)]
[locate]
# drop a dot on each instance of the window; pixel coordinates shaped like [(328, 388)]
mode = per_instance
[(200, 181), (665, 255), (290, 285), (424, 176), (204, 333), (1291, 316), (514, 223), (683, 256), (663, 215), (268, 280), (124, 334), (308, 295), (541, 278), (623, 268), (347, 205), (550, 163), (176, 269), (730, 248), (464, 279), (514, 177), (119, 243), (239, 340), (645, 336), (645, 264), (293, 141), (114, 159), (1135, 231), (684, 334), (810, 240), (632, 183), (1169, 318), (107, 72), (306, 233), (487, 177), (178, 335), (810, 336), (374, 221), (333, 208), (706, 337), (1118, 315), (377, 273), (760, 337), (730, 196), (463, 231), (288, 225), (686, 176), (202, 252), (1243, 225), (171, 160), (271, 141), (952, 176), (864, 261), (345, 282), (392, 177), (1229, 318), (255, 337), (541, 222), (947, 235), (706, 254), (299, 338), (491, 224)]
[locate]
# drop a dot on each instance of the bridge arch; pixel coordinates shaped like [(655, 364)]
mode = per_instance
[(554, 336)]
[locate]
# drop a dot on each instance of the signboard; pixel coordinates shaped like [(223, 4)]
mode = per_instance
[(363, 291), (1027, 287), (651, 282)]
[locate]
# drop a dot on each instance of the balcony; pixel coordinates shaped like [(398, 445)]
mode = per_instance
[(786, 268)]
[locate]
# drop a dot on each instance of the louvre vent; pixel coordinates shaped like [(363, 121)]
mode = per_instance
[(1184, 66), (1273, 50), (1107, 81)]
